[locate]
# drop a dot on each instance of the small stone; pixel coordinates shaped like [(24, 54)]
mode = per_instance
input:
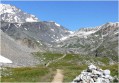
[(92, 67), (99, 80), (77, 78), (96, 72), (106, 72)]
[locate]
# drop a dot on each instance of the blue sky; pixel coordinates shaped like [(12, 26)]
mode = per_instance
[(71, 14)]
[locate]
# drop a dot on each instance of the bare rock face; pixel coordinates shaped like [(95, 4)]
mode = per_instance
[(94, 74)]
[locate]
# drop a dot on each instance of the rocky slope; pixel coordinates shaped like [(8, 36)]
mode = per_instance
[(42, 33), (102, 41), (19, 54), (50, 36)]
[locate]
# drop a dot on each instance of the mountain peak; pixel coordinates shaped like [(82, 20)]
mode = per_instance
[(13, 14), (7, 8)]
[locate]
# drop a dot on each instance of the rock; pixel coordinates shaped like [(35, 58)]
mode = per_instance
[(94, 75), (77, 78), (106, 72), (99, 80), (92, 67), (96, 72)]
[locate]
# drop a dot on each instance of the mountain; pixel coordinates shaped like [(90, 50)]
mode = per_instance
[(19, 54), (9, 13), (24, 37), (101, 41), (42, 33)]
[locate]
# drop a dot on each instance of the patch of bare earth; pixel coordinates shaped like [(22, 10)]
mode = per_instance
[(58, 78)]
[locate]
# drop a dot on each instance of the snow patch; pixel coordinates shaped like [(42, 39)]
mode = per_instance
[(15, 18), (30, 20), (63, 38), (96, 35), (25, 28), (116, 33), (6, 8), (58, 45), (16, 25), (85, 33), (40, 42), (57, 24), (78, 34), (4, 60), (71, 32), (52, 30)]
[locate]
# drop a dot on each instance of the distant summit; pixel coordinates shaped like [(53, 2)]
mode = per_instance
[(9, 13)]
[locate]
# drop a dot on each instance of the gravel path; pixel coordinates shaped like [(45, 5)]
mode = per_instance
[(58, 78)]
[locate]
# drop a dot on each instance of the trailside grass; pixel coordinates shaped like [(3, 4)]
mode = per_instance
[(27, 74), (71, 64)]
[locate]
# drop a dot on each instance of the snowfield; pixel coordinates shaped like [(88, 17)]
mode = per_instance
[(4, 60)]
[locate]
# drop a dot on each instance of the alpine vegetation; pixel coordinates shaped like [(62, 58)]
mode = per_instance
[(41, 51)]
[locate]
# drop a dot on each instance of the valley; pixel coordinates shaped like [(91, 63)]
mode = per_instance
[(41, 49)]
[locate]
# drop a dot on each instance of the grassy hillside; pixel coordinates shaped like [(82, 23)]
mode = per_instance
[(71, 65)]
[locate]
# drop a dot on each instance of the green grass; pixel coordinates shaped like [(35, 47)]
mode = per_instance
[(69, 64), (112, 68), (26, 74), (70, 72), (46, 57)]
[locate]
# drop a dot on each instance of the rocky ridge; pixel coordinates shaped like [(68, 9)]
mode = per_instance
[(101, 42)]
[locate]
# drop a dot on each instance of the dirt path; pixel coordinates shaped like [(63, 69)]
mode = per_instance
[(58, 78), (55, 60)]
